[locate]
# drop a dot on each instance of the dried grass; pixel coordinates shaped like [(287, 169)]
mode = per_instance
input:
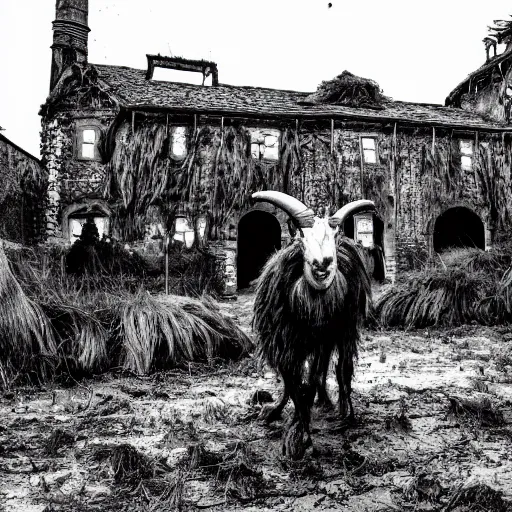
[(235, 469), (477, 497), (350, 90), (28, 348), (480, 411), (130, 465), (165, 332), (433, 298)]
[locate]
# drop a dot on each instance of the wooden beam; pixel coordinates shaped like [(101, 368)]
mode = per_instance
[(361, 166), (332, 135)]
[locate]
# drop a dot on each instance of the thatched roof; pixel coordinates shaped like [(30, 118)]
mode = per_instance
[(347, 89), (498, 64)]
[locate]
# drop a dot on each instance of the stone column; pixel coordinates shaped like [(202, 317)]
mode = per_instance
[(390, 253), (225, 254), (52, 148)]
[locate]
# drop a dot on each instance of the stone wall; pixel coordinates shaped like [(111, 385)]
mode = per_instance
[(22, 194), (417, 175), (70, 180)]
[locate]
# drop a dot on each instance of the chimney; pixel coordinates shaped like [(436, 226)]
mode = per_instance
[(70, 33)]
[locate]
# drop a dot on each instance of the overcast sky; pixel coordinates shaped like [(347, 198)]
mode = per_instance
[(416, 51)]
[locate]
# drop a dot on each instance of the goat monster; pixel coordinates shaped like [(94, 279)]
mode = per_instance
[(311, 299)]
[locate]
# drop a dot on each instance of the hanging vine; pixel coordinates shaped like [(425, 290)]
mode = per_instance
[(216, 179)]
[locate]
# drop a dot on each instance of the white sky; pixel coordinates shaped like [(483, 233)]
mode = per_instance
[(416, 51)]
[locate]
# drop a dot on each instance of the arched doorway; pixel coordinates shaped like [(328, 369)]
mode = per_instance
[(376, 254), (259, 236), (458, 227)]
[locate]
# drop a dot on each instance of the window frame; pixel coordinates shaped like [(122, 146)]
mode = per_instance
[(79, 138), (374, 137), (272, 132), (464, 154), (172, 129), (83, 216)]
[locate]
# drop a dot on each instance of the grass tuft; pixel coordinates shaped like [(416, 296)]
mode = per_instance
[(164, 332), (28, 348), (480, 411), (129, 465)]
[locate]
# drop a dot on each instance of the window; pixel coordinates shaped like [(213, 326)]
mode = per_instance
[(76, 225), (466, 154), (264, 144), (87, 143), (184, 232), (369, 148), (179, 142)]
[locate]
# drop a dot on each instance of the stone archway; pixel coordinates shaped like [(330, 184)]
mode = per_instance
[(75, 215), (458, 227), (259, 236)]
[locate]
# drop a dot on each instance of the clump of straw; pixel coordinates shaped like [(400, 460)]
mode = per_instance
[(28, 349)]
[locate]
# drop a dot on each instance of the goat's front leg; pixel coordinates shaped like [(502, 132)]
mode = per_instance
[(323, 401), (297, 437)]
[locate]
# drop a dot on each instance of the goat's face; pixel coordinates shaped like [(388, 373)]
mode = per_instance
[(319, 249), (318, 236)]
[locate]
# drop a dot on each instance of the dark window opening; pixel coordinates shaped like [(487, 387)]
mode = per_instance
[(259, 236)]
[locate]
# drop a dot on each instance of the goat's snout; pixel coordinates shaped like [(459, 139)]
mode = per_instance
[(320, 269), (322, 265)]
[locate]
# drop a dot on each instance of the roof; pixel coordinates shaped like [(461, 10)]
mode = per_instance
[(133, 91), (21, 150), (480, 72)]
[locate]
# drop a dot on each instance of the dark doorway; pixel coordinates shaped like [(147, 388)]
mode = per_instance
[(375, 255), (259, 236), (458, 227)]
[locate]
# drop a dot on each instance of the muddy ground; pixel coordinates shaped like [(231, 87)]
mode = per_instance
[(433, 432)]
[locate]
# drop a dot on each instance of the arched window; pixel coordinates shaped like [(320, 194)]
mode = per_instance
[(76, 215)]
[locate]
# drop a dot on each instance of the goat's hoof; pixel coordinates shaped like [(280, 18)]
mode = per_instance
[(348, 419), (296, 441), (325, 405), (269, 413)]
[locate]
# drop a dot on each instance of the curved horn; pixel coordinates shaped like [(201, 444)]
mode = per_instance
[(354, 207), (303, 215)]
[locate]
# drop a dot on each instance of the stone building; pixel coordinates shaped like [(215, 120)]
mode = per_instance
[(145, 157), (23, 184)]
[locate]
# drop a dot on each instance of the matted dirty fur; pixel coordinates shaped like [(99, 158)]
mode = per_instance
[(295, 322)]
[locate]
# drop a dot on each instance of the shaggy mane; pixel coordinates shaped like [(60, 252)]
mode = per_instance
[(286, 307)]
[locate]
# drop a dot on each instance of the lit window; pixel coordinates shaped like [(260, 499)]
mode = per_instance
[(76, 224), (183, 232), (179, 142), (466, 154), (88, 143), (369, 150), (264, 144)]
